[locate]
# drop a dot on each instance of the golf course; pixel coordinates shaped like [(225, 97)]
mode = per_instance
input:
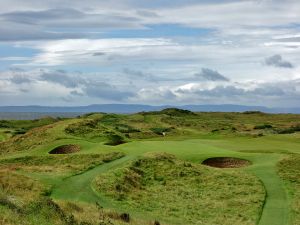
[(166, 167)]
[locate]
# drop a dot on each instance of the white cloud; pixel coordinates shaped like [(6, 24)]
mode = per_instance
[(91, 51)]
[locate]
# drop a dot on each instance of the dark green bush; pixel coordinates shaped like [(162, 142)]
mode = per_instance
[(160, 130), (115, 139), (263, 126)]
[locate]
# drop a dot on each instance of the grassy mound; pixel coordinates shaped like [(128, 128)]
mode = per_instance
[(22, 201), (226, 162), (289, 170), (165, 187), (59, 163), (65, 149)]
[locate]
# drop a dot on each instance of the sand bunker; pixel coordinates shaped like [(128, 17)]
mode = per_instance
[(65, 149), (226, 162)]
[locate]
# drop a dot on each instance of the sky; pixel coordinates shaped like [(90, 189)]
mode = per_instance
[(176, 52)]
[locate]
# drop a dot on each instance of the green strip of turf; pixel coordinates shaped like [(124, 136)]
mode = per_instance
[(276, 208), (78, 187)]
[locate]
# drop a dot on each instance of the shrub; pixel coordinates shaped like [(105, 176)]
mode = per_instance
[(252, 112), (115, 139), (290, 130), (263, 126), (160, 130)]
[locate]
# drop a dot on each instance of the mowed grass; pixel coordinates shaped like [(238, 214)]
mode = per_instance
[(190, 137)]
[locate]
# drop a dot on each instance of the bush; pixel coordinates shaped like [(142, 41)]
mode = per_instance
[(115, 139), (160, 130), (263, 126), (252, 112), (290, 130)]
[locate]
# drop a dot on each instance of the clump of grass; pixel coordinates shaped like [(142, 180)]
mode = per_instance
[(88, 128), (42, 211), (95, 214), (17, 186), (289, 170), (124, 128), (115, 139), (61, 163), (177, 112), (160, 184)]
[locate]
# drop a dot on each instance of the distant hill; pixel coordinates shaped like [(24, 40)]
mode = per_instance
[(133, 108)]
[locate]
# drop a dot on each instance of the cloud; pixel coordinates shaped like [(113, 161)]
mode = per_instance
[(97, 51), (50, 24), (228, 91), (68, 17), (139, 74), (278, 61), (80, 88), (62, 78), (19, 79), (70, 85), (281, 93), (107, 91), (211, 75), (12, 31), (88, 87)]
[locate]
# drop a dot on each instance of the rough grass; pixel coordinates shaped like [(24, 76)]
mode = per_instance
[(289, 170), (95, 214), (180, 192), (42, 211), (22, 201), (59, 163), (176, 122), (18, 187)]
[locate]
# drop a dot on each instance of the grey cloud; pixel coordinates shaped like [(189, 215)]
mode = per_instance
[(78, 84), (34, 17), (288, 39), (89, 87), (136, 73), (11, 31), (66, 17), (35, 25), (76, 93), (265, 90), (140, 74), (20, 79), (211, 75), (147, 13), (98, 54), (106, 91), (62, 78), (278, 61)]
